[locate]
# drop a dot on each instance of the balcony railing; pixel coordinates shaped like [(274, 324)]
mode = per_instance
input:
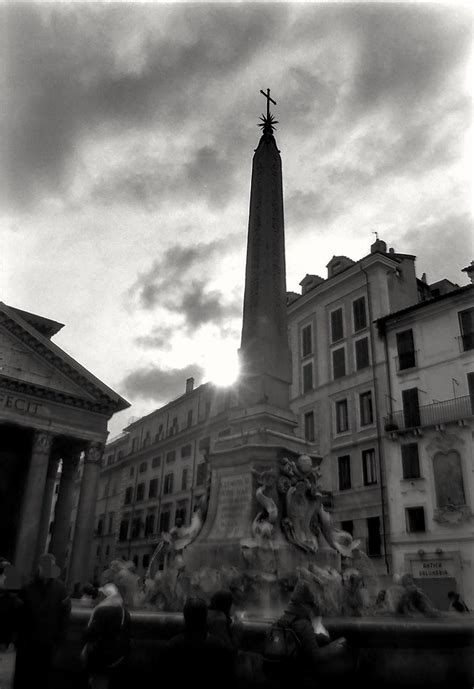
[(431, 414)]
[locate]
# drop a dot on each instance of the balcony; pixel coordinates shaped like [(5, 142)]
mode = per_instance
[(436, 414)]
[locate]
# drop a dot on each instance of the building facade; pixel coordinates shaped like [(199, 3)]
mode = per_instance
[(53, 413), (428, 442)]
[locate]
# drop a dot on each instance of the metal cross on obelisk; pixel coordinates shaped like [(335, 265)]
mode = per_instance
[(267, 96)]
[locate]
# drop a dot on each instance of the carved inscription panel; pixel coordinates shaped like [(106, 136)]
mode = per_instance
[(234, 501)]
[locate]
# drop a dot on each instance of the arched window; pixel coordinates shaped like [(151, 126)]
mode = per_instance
[(448, 479)]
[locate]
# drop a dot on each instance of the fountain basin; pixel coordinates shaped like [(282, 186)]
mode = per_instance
[(392, 651)]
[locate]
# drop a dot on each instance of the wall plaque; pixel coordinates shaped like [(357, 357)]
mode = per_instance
[(433, 569), (233, 515)]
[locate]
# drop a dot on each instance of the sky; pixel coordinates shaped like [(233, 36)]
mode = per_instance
[(128, 134)]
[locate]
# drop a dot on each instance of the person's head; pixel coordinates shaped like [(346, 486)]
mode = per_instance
[(222, 600), (195, 614), (407, 580), (179, 522), (303, 601)]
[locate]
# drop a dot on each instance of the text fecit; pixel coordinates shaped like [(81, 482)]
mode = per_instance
[(19, 404)]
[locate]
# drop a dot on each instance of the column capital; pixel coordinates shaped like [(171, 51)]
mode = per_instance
[(94, 452), (42, 442)]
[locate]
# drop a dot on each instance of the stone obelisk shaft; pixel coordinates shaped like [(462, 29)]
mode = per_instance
[(264, 353)]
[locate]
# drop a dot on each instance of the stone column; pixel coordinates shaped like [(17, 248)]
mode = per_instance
[(85, 515), (62, 514), (32, 501), (47, 505)]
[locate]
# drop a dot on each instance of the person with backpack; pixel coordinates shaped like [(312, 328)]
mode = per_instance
[(298, 647), (107, 638)]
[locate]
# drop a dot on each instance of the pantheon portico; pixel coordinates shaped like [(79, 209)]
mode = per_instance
[(52, 411)]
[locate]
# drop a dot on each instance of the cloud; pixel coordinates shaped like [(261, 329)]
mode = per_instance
[(75, 72), (443, 246), (179, 286), (159, 385)]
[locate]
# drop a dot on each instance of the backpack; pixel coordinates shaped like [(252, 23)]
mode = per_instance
[(281, 643)]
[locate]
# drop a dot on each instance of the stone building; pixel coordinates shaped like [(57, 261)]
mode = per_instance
[(52, 412), (428, 437), (340, 385)]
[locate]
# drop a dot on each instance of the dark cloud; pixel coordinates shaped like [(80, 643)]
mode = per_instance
[(67, 78), (443, 246), (156, 384), (178, 282)]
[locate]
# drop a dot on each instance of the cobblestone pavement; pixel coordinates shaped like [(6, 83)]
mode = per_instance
[(7, 663)]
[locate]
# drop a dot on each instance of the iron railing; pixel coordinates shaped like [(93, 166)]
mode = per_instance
[(431, 414)]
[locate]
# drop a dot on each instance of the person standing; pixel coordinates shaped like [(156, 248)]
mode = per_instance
[(43, 622), (107, 638), (197, 655)]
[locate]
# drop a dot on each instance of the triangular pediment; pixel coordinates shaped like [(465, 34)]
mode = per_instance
[(28, 359), (20, 362)]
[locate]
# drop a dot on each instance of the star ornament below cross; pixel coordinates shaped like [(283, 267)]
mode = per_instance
[(268, 123)]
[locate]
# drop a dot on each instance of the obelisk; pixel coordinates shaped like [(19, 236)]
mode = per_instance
[(264, 354), (262, 426)]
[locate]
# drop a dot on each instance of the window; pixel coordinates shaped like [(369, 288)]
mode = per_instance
[(306, 340), (134, 444), (366, 408), (165, 520), (470, 388), (132, 472), (107, 550), (111, 522), (359, 313), (204, 445), (140, 492), (309, 426), (201, 474), (184, 479), (128, 495), (189, 419), (100, 525), (98, 551), (342, 417), (348, 525), (405, 350), (153, 488), (145, 560), (168, 484), (411, 409), (410, 460), (374, 542), (170, 456), (136, 527), (143, 467), (344, 464), (307, 377), (123, 532), (156, 462), (149, 524), (466, 324), (146, 439), (186, 451), (338, 363), (362, 353), (181, 510), (368, 467), (337, 325), (415, 519)]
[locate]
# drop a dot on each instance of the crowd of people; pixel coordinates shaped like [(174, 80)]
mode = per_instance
[(35, 619)]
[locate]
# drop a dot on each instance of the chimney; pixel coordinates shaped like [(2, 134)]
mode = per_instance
[(470, 271), (391, 250), (378, 246), (189, 385)]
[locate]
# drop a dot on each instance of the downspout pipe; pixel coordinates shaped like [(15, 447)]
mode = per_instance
[(377, 419)]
